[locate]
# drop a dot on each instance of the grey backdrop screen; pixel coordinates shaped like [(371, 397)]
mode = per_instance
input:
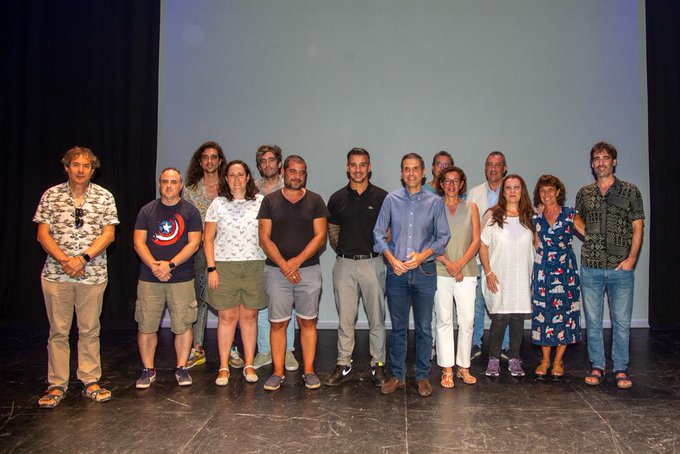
[(539, 80)]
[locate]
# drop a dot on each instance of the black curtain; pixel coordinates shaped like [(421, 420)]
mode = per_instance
[(663, 92), (75, 73)]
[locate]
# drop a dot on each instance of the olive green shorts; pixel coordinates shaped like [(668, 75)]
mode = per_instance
[(152, 297), (241, 283)]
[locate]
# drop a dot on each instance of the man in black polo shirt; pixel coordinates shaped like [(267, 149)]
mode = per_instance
[(358, 271)]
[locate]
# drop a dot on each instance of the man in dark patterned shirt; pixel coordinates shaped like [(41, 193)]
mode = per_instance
[(614, 217)]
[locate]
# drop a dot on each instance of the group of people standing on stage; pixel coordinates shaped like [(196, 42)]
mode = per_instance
[(250, 250)]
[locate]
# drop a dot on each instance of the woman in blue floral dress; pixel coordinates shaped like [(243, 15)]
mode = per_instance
[(556, 310)]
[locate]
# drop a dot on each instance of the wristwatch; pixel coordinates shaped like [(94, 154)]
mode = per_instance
[(172, 265), (86, 257), (210, 269)]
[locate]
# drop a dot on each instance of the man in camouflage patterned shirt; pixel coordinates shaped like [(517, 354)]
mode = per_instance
[(76, 222)]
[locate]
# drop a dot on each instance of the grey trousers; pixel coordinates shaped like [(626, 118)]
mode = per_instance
[(352, 280)]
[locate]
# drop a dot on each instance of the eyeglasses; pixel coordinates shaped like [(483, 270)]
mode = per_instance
[(79, 218), (442, 164)]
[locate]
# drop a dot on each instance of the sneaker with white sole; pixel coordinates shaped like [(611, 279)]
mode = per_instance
[(182, 376), (148, 376), (378, 374), (274, 382), (311, 381), (493, 369), (339, 376), (196, 357), (235, 359), (290, 362), (515, 367), (262, 359)]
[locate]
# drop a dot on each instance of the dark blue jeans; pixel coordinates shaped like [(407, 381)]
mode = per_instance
[(415, 287)]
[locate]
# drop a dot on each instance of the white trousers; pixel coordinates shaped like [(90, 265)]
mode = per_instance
[(463, 293)]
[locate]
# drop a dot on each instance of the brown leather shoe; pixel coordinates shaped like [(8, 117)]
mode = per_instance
[(424, 387), (392, 385)]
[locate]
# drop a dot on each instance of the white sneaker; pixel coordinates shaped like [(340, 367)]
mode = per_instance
[(262, 359), (235, 359), (291, 363)]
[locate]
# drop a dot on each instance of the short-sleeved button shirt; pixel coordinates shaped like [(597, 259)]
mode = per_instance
[(56, 208), (197, 196), (609, 222)]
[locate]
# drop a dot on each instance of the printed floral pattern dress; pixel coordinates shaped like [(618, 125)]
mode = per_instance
[(556, 307)]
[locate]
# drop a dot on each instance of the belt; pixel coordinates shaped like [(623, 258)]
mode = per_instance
[(372, 255)]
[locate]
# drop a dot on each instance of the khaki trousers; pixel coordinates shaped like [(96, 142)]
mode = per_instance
[(61, 298)]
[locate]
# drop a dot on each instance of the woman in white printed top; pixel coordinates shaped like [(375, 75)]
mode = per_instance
[(235, 266)]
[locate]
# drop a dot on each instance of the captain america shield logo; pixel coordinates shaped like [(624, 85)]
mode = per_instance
[(169, 231)]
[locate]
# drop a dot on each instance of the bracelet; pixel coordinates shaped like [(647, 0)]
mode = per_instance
[(487, 274)]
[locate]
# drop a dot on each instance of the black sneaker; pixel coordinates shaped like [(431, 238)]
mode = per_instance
[(476, 352), (340, 376), (378, 374)]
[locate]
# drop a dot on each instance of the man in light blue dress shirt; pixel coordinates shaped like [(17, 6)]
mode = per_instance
[(419, 232), (485, 196)]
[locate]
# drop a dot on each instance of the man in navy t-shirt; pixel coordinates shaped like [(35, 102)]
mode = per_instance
[(167, 235)]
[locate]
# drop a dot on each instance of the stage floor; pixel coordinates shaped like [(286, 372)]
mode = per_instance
[(504, 414)]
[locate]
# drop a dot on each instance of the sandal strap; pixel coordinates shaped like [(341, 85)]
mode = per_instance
[(97, 392), (53, 387)]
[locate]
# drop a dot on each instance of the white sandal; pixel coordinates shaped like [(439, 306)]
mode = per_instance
[(252, 376), (222, 381)]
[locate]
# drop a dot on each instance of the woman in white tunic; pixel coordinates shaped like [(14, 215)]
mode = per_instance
[(235, 266), (507, 255)]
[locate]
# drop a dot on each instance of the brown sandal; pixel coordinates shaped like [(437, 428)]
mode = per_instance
[(542, 370), (447, 380), (98, 395), (595, 377), (52, 397), (623, 381), (557, 371), (464, 374)]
